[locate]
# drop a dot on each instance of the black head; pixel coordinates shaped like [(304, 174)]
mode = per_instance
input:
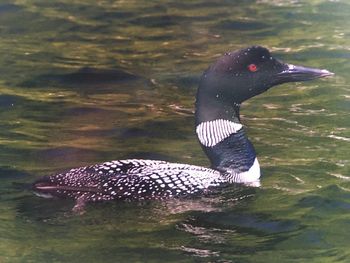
[(238, 76)]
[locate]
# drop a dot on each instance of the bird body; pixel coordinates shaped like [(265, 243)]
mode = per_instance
[(232, 79)]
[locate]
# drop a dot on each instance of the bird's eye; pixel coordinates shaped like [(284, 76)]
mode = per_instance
[(252, 68)]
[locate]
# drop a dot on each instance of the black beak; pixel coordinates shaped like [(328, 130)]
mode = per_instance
[(293, 73)]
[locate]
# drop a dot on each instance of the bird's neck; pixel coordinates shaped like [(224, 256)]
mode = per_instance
[(222, 135)]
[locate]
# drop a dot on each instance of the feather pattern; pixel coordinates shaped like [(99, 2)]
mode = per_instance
[(211, 133), (132, 179)]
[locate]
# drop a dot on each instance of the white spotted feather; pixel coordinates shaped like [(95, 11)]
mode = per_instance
[(135, 179)]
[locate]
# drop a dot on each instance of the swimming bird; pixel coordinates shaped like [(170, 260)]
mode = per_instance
[(224, 86)]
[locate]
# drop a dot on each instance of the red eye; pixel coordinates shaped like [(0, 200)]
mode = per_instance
[(252, 68)]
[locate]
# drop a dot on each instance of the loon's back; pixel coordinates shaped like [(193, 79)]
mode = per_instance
[(130, 179)]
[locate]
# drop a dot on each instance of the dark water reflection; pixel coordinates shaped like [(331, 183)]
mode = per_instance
[(84, 82)]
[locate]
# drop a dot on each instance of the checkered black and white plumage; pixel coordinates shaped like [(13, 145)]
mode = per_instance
[(131, 180)]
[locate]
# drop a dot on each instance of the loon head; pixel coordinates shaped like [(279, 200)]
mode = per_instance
[(232, 79), (243, 74)]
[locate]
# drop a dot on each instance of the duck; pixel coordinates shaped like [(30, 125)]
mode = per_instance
[(232, 79)]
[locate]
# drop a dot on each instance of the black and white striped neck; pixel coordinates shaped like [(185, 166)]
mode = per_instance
[(229, 150)]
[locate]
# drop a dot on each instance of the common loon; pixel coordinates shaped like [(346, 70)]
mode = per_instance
[(232, 79)]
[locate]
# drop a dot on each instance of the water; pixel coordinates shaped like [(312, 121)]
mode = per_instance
[(83, 82)]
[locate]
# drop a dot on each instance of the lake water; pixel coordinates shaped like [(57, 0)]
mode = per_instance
[(83, 82)]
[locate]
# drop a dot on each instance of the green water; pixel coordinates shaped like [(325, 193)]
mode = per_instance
[(83, 82)]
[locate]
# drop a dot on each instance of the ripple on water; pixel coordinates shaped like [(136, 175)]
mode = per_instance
[(330, 200), (8, 101), (86, 76), (341, 138), (242, 25), (230, 233), (9, 8)]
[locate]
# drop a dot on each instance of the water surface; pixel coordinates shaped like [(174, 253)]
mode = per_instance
[(83, 82)]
